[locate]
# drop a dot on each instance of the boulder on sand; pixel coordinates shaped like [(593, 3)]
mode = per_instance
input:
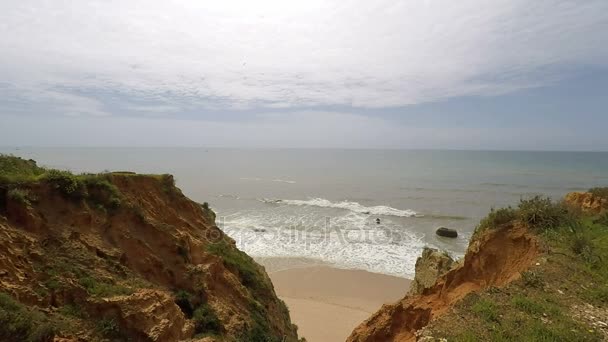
[(446, 232)]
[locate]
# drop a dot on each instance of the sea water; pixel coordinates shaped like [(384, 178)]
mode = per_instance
[(363, 209)]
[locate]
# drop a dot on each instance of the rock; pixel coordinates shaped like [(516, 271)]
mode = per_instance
[(587, 202), (446, 232), (431, 265), (151, 314)]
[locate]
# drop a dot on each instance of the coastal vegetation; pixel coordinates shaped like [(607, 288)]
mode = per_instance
[(562, 297)]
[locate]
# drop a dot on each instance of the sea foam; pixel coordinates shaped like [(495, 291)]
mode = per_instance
[(346, 205)]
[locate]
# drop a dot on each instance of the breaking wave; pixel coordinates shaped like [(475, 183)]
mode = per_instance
[(346, 205)]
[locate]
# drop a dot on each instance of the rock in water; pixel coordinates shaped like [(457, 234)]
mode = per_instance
[(446, 232)]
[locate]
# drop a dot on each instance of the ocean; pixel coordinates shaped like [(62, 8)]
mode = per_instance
[(324, 204)]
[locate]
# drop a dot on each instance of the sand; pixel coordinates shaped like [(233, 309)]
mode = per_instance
[(328, 303)]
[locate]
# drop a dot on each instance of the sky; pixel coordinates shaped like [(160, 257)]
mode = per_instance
[(423, 74)]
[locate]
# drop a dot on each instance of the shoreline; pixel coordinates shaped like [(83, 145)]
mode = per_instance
[(327, 303)]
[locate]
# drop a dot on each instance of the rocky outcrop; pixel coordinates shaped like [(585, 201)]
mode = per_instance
[(495, 258), (587, 202), (151, 315), (429, 267), (127, 256)]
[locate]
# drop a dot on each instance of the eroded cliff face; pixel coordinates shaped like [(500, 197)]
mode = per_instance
[(129, 257), (494, 258)]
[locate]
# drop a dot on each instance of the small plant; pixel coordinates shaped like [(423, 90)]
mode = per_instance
[(67, 183), (108, 327), (582, 245), (205, 205), (498, 217), (486, 309), (205, 320), (532, 279), (19, 195)]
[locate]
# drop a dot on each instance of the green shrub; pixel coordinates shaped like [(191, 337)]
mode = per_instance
[(67, 183), (17, 323), (19, 195), (205, 320), (540, 212), (108, 327), (71, 310), (205, 205), (102, 192), (498, 217)]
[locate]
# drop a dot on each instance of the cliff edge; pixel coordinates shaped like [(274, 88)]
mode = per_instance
[(536, 272), (123, 257)]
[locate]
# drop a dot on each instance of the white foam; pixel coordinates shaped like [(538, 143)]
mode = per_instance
[(352, 241), (347, 205)]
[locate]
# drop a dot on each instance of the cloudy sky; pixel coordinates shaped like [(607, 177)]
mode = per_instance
[(467, 74)]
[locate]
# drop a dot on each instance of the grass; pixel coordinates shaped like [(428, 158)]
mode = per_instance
[(103, 289), (15, 170), (17, 323), (486, 309), (539, 306)]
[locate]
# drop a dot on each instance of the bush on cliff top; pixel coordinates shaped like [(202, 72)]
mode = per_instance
[(537, 212), (15, 170)]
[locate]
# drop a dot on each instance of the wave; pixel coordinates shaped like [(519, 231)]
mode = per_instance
[(346, 205), (229, 196)]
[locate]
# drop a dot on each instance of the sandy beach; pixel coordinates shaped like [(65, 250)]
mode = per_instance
[(328, 303)]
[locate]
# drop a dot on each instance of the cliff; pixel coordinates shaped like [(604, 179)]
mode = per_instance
[(123, 257), (535, 272)]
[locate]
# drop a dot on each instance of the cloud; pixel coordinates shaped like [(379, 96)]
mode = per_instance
[(279, 54)]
